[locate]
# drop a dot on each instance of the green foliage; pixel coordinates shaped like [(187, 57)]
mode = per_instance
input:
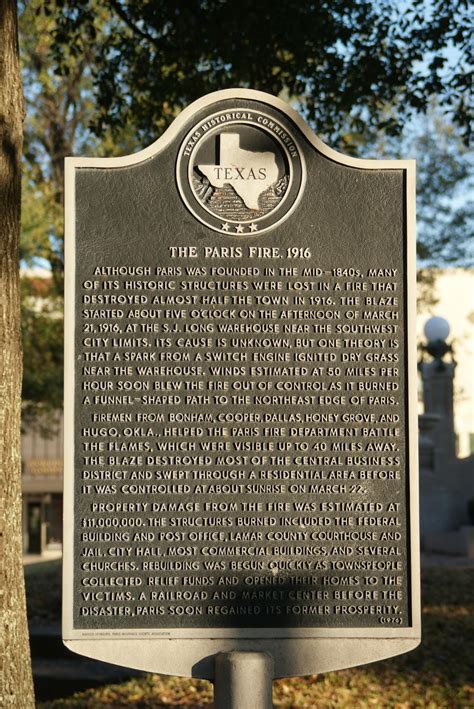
[(59, 110), (444, 185), (48, 137), (445, 205), (56, 109), (42, 330), (445, 182), (343, 60), (356, 69)]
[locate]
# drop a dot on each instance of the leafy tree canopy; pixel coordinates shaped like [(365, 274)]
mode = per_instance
[(42, 330), (59, 109), (444, 186), (445, 205), (344, 60)]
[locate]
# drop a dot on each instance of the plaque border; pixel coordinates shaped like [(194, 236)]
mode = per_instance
[(189, 652)]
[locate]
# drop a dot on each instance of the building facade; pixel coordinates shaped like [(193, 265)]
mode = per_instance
[(42, 486)]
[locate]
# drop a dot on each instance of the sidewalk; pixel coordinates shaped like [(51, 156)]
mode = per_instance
[(30, 559), (443, 561)]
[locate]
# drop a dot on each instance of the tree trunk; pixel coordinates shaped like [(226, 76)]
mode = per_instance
[(16, 685)]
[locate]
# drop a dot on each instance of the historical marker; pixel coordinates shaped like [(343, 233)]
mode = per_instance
[(241, 470)]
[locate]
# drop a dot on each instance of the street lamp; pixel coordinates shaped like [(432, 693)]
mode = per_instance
[(436, 331)]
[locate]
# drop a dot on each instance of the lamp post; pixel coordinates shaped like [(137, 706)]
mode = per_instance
[(438, 377), (436, 332)]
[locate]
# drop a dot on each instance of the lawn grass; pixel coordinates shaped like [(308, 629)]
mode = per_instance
[(438, 674)]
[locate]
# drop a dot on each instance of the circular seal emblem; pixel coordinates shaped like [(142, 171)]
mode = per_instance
[(240, 171)]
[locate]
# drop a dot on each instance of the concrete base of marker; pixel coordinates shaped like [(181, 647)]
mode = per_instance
[(243, 680)]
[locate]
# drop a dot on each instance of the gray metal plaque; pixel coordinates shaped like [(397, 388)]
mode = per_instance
[(240, 398)]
